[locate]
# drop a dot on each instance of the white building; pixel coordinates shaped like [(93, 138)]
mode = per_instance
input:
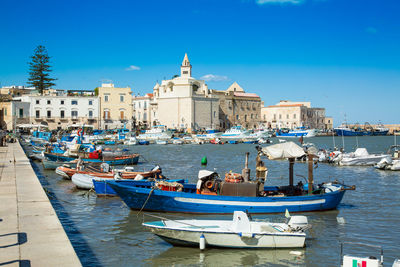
[(185, 102), (58, 112), (142, 112)]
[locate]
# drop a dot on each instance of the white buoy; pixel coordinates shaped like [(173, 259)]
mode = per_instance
[(295, 252), (202, 242), (340, 220)]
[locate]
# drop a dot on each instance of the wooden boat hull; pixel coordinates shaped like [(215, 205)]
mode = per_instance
[(120, 160), (170, 201), (124, 175), (52, 165), (102, 188)]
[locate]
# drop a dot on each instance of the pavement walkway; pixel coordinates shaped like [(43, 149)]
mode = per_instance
[(30, 232)]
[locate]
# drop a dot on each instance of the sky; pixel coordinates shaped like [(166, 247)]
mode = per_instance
[(343, 55)]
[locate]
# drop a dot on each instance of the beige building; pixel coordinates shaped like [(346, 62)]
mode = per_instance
[(236, 107), (13, 113), (328, 123), (184, 102), (115, 106), (287, 114)]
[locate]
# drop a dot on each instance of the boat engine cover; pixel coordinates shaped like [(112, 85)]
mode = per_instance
[(298, 222)]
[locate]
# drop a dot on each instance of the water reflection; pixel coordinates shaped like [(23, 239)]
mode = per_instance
[(181, 256)]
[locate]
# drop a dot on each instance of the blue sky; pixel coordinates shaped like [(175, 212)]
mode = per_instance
[(343, 55)]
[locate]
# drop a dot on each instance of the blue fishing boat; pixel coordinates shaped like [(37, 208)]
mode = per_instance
[(143, 142), (190, 202), (237, 193), (109, 142)]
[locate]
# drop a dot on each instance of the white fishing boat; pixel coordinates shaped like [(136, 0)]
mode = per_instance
[(360, 157), (390, 163), (235, 132), (177, 141), (161, 142), (131, 140), (357, 261), (240, 232), (209, 134), (157, 132)]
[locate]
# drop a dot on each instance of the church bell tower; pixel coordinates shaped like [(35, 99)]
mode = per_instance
[(186, 68)]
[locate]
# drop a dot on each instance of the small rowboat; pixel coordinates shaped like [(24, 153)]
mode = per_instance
[(240, 232), (52, 165), (112, 160), (127, 173)]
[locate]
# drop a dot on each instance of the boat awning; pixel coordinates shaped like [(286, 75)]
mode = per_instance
[(283, 151), (204, 174)]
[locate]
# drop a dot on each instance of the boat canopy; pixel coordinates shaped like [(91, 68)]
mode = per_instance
[(283, 151), (204, 174)]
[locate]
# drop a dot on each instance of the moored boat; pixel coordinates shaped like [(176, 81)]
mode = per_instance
[(240, 232), (237, 193)]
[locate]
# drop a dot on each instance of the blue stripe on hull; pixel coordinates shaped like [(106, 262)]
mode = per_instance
[(167, 201)]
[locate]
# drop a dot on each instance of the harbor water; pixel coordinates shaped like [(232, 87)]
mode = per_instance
[(104, 232)]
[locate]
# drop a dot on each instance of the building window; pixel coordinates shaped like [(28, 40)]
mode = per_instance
[(21, 112), (122, 114), (90, 102), (251, 116), (37, 102), (287, 116), (74, 102), (48, 102), (139, 105), (280, 116), (245, 117), (294, 116), (215, 114), (90, 114), (237, 117), (121, 98), (106, 114), (265, 117), (74, 114), (145, 116), (49, 114), (134, 105), (62, 114), (145, 105), (274, 117), (185, 72), (106, 98), (62, 102), (37, 114)]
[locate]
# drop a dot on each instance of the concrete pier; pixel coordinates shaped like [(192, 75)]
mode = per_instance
[(30, 231)]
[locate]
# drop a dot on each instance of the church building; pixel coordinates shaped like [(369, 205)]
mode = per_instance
[(185, 102)]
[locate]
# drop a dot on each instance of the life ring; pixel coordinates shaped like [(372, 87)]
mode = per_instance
[(233, 178), (209, 184)]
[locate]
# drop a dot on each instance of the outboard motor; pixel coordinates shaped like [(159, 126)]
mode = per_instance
[(298, 223)]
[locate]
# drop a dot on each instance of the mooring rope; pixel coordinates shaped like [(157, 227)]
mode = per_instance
[(148, 197)]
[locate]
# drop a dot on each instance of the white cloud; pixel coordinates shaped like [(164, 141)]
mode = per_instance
[(371, 30), (293, 2), (214, 78), (132, 67)]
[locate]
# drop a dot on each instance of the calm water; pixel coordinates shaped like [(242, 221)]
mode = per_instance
[(105, 232)]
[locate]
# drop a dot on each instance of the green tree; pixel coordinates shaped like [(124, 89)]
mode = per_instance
[(96, 91), (39, 70)]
